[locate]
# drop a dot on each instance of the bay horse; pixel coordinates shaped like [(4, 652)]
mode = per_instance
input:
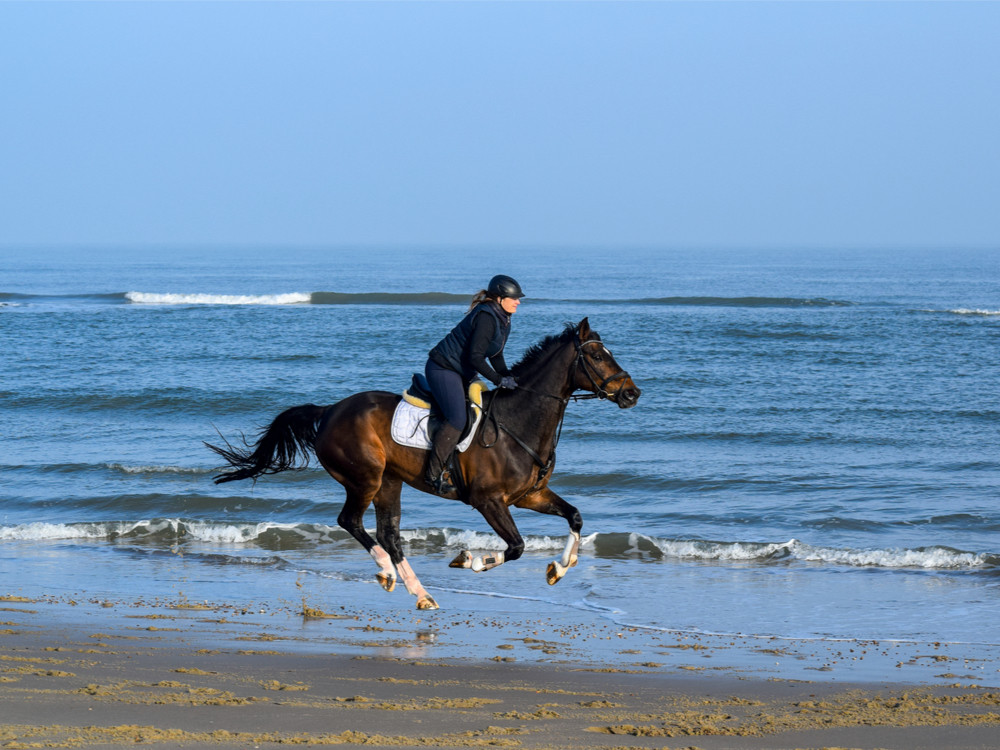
[(509, 463)]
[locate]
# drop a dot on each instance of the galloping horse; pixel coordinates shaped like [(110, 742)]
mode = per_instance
[(509, 463)]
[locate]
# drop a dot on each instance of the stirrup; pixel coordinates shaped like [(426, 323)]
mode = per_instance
[(442, 485)]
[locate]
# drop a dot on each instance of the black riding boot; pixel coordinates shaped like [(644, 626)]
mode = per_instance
[(445, 440)]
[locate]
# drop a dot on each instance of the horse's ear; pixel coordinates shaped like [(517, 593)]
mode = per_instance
[(583, 330)]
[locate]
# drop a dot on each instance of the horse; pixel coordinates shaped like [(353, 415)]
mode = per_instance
[(508, 464)]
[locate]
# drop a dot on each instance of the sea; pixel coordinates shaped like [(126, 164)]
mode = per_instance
[(813, 458)]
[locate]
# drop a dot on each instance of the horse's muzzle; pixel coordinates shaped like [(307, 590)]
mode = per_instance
[(627, 396)]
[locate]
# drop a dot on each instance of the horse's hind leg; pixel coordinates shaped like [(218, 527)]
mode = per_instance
[(547, 501), (351, 519), (387, 514)]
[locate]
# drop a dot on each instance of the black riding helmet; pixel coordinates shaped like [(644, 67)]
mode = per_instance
[(504, 286)]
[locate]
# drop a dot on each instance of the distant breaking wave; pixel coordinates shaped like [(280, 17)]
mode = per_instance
[(966, 311), (147, 298), (273, 535)]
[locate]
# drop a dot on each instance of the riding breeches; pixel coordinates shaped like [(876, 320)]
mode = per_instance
[(448, 388)]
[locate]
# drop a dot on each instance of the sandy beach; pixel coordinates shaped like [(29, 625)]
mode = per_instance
[(77, 673)]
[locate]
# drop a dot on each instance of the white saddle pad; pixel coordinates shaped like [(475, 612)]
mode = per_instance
[(409, 426)]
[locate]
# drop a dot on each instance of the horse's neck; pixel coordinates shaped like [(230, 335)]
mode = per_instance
[(552, 377), (541, 397)]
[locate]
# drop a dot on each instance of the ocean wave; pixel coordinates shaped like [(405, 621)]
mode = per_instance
[(154, 469), (978, 312), (151, 298), (927, 558), (173, 530), (168, 400), (276, 535)]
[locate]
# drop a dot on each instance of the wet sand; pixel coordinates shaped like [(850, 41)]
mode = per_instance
[(76, 673)]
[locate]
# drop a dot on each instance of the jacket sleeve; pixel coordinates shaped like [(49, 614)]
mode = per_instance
[(480, 339)]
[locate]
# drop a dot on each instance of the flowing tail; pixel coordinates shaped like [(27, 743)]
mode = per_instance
[(286, 444)]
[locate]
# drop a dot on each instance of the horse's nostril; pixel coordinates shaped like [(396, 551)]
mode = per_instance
[(628, 397)]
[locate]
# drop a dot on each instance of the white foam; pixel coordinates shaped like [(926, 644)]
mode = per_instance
[(702, 550), (39, 531), (967, 311), (152, 469), (232, 533), (936, 558), (149, 298)]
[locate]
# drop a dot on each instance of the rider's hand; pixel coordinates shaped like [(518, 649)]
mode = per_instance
[(508, 382)]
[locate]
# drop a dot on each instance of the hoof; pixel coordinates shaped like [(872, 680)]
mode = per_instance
[(464, 560), (427, 602), (554, 573), (386, 581)]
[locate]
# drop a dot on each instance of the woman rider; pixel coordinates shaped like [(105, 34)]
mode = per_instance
[(459, 358)]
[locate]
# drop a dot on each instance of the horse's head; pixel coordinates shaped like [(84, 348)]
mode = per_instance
[(596, 370)]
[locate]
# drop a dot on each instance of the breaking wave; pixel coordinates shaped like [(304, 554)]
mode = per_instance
[(148, 298), (274, 535), (966, 311)]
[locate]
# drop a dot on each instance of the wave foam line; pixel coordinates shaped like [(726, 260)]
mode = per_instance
[(967, 311), (170, 528), (150, 298), (927, 558), (154, 469), (608, 545)]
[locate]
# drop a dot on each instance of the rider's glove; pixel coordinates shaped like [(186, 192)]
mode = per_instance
[(508, 382)]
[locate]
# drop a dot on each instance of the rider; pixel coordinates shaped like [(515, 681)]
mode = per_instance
[(459, 358)]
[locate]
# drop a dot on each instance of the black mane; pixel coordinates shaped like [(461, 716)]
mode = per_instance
[(540, 350)]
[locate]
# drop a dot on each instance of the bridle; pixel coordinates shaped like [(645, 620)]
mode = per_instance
[(600, 391)]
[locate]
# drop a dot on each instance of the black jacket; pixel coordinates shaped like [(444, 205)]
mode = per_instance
[(480, 335)]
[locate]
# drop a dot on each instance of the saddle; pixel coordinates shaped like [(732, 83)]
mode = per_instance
[(417, 416)]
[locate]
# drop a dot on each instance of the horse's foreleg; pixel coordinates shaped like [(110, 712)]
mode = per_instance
[(557, 568), (497, 515), (547, 501)]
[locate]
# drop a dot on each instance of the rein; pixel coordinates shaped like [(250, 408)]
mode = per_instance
[(600, 391)]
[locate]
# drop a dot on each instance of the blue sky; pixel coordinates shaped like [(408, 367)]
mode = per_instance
[(664, 124)]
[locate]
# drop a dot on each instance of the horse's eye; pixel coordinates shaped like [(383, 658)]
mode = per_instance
[(598, 358)]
